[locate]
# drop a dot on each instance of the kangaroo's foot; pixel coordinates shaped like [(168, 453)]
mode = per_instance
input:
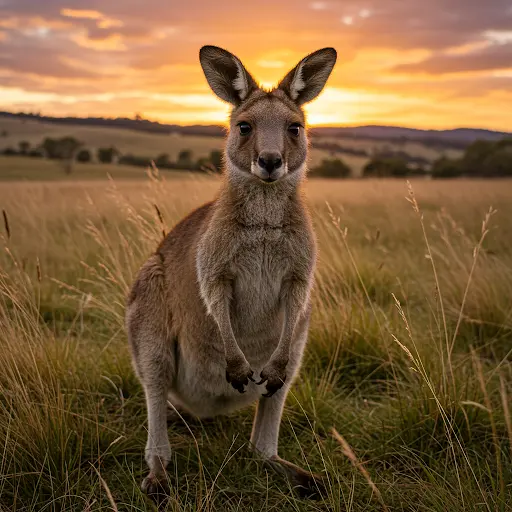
[(157, 488), (304, 483)]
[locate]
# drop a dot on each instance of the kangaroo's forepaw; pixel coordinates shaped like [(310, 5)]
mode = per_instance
[(157, 488), (238, 374), (274, 375)]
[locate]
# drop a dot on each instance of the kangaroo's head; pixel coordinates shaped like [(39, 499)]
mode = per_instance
[(267, 140)]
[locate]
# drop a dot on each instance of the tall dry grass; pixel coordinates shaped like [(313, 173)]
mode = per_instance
[(409, 354)]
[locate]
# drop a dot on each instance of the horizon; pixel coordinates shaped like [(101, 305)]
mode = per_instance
[(441, 66), (225, 124)]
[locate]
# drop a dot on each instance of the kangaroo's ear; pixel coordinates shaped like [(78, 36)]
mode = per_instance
[(305, 82), (226, 74)]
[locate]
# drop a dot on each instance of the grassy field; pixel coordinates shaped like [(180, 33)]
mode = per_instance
[(409, 356), (19, 168)]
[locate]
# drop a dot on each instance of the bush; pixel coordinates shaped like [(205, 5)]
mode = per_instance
[(482, 158), (185, 159), (67, 148), (138, 161), (382, 167), (216, 159), (61, 149), (24, 147), (204, 164), (84, 156), (162, 161), (107, 155), (50, 148), (332, 168), (36, 153), (446, 168), (211, 163), (498, 163), (475, 156), (10, 152)]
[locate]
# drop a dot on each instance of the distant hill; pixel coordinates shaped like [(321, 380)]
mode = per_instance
[(457, 138), (142, 125), (466, 135)]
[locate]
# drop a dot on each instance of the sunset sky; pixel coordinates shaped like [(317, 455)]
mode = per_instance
[(425, 64)]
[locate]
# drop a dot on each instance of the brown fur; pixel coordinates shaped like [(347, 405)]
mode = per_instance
[(225, 298)]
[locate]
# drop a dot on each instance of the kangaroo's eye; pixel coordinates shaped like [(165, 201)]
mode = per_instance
[(245, 128), (294, 129)]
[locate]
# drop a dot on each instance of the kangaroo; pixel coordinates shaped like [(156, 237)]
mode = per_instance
[(225, 299)]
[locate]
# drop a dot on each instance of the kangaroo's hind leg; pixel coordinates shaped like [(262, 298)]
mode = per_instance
[(264, 440), (158, 450), (265, 431), (153, 350)]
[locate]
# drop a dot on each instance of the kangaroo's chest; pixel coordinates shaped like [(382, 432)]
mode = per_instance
[(260, 265)]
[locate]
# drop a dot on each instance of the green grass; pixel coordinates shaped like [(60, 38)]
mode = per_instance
[(417, 385)]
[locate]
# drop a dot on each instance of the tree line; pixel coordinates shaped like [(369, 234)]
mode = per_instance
[(482, 158), (68, 150)]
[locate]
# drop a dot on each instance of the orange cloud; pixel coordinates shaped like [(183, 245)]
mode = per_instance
[(22, 23), (109, 23), (112, 42), (399, 62), (9, 23), (81, 14), (102, 21)]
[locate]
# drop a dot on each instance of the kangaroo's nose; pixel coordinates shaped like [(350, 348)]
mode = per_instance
[(270, 161)]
